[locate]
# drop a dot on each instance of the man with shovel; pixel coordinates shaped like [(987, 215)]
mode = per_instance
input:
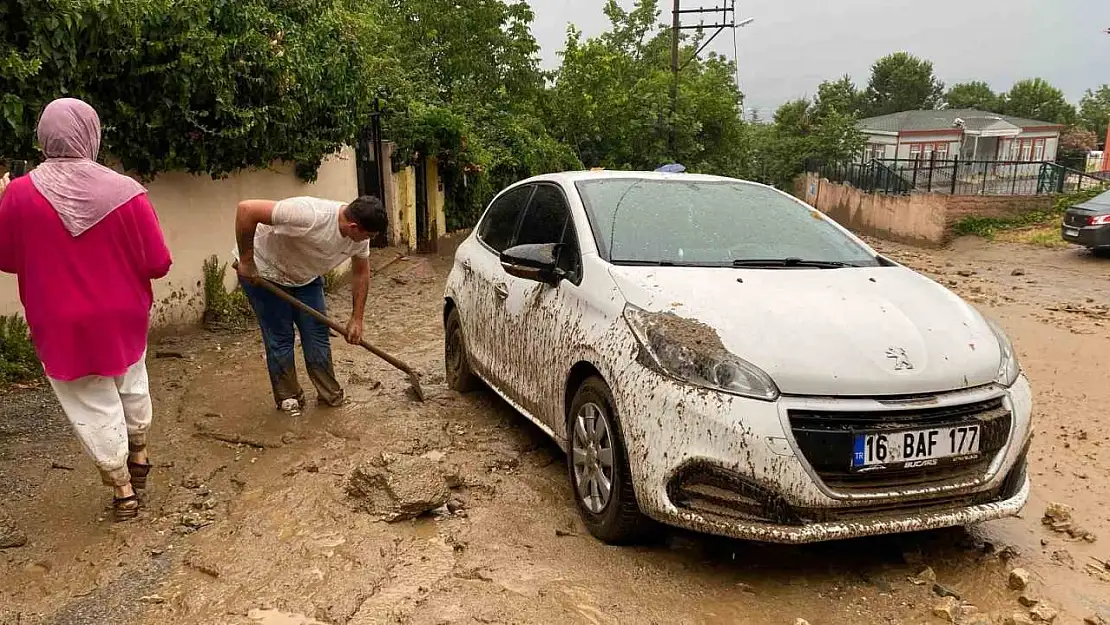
[(292, 244)]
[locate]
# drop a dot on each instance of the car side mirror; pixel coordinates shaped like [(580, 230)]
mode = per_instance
[(536, 262)]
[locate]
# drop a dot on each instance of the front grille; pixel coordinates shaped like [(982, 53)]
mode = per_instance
[(715, 492), (826, 440)]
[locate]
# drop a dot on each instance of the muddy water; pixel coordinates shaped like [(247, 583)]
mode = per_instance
[(273, 538)]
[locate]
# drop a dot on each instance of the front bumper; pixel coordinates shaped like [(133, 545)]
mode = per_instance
[(731, 466), (1087, 236)]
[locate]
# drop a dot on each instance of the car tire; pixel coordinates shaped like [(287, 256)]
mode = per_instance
[(617, 520), (456, 360)]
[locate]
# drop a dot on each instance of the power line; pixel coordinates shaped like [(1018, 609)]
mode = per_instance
[(723, 16)]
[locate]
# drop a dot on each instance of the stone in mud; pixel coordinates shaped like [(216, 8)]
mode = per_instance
[(801, 621), (10, 535), (1019, 579), (1018, 619), (191, 482), (402, 487), (948, 609), (926, 576), (1044, 613), (943, 591), (1018, 272), (1027, 600), (1095, 619)]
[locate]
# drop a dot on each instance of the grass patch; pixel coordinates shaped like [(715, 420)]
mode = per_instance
[(988, 227), (1039, 236), (18, 360), (223, 308)]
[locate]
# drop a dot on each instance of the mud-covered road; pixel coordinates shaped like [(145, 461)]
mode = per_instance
[(264, 531)]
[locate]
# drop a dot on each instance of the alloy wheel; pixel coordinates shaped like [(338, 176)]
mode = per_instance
[(592, 450)]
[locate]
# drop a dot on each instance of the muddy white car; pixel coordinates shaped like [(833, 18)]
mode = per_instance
[(717, 355)]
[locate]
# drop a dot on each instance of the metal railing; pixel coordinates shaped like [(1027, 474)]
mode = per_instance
[(960, 177)]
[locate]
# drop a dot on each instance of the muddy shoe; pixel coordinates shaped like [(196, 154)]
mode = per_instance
[(291, 407), (125, 508), (139, 472)]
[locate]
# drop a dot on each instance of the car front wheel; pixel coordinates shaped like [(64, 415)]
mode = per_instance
[(456, 361), (598, 467)]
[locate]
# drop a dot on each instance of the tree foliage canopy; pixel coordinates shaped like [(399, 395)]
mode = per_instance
[(973, 95), (902, 82), (1094, 111), (1037, 99)]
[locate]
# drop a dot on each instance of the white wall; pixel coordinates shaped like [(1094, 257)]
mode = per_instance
[(198, 215)]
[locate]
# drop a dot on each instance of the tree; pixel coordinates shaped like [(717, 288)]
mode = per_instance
[(205, 86), (1038, 100), (611, 98), (1094, 111), (838, 96), (973, 95), (902, 82)]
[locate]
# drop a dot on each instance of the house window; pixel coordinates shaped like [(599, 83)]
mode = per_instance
[(1028, 150), (929, 151), (874, 152), (1038, 149)]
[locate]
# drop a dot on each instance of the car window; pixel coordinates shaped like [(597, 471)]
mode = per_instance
[(711, 223), (545, 219), (500, 222), (548, 220)]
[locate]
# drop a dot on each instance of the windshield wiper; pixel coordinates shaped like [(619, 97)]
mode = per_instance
[(789, 262)]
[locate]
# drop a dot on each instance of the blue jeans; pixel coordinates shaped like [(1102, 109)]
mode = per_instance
[(277, 319)]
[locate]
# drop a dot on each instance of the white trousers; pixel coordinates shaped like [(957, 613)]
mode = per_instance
[(109, 415)]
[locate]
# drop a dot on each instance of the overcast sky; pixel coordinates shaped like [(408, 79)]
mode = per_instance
[(795, 44)]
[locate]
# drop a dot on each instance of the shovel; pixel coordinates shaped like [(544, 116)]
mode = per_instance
[(414, 379)]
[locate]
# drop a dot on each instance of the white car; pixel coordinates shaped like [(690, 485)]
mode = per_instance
[(717, 355)]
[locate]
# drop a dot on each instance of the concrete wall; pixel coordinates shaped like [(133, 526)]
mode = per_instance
[(198, 215), (920, 218)]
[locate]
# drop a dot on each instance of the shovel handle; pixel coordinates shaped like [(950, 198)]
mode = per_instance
[(331, 323)]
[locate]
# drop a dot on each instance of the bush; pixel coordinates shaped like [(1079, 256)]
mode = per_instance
[(18, 360), (223, 309)]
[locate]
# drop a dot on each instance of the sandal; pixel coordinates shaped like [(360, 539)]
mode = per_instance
[(138, 470), (125, 508)]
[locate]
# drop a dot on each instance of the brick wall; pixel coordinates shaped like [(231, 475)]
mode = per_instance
[(995, 206)]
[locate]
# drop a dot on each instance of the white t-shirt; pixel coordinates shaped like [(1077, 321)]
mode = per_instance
[(303, 243)]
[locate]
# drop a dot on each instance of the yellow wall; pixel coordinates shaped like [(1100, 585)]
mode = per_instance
[(198, 215)]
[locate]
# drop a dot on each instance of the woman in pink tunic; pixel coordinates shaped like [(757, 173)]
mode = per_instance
[(85, 244)]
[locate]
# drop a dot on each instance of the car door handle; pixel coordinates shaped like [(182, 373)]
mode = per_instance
[(501, 290)]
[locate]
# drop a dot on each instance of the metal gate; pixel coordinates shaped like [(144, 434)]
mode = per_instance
[(370, 169), (422, 238)]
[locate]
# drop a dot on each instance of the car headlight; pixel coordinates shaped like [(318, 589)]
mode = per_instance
[(690, 351), (1008, 368)]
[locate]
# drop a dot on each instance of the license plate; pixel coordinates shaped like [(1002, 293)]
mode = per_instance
[(1071, 232), (916, 448)]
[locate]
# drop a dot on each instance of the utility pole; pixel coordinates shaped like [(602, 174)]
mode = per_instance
[(724, 17)]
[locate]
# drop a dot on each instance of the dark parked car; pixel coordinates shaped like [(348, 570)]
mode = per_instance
[(1088, 224)]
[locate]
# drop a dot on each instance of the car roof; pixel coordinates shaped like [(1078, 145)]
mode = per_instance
[(571, 177)]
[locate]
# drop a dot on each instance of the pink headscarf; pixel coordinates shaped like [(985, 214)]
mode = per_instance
[(82, 191)]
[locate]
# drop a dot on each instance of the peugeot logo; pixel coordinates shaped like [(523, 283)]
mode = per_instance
[(900, 358)]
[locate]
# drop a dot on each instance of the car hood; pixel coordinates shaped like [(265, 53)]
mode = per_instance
[(855, 331)]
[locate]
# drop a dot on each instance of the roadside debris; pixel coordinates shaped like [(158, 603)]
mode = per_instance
[(1018, 619), (948, 609), (1027, 600), (152, 599), (1044, 613), (1058, 518), (10, 535), (943, 591), (55, 464), (398, 487), (1096, 619), (1019, 579)]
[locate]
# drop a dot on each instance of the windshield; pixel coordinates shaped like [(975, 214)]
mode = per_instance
[(709, 223)]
